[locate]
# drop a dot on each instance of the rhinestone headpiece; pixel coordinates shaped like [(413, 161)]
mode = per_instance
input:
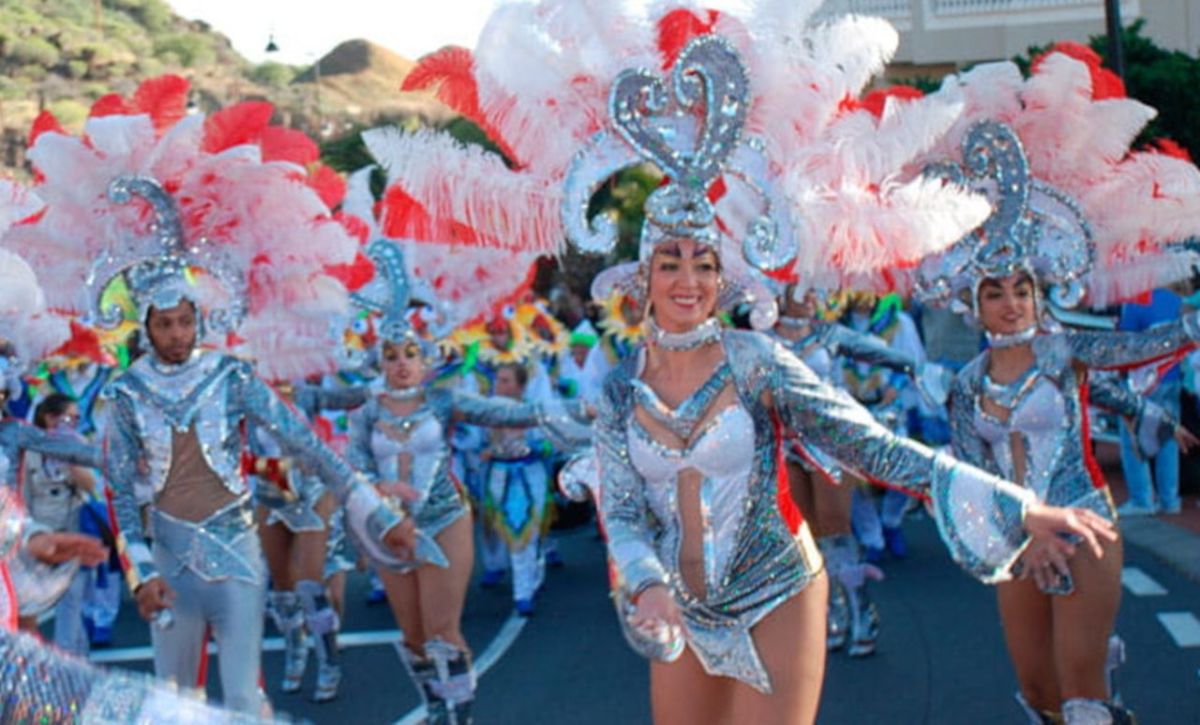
[(392, 294)]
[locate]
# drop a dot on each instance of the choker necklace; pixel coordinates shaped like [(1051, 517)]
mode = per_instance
[(794, 322), (1000, 341), (702, 334), (409, 393)]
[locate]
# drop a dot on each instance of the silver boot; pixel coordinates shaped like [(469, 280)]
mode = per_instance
[(1116, 658), (454, 684), (288, 615), (838, 622), (852, 574), (422, 672), (322, 621), (1035, 716), (1084, 711)]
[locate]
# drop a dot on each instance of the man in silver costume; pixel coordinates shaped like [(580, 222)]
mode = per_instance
[(173, 453)]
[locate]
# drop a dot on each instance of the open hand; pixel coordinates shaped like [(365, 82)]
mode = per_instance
[(57, 547), (1186, 439), (1045, 524)]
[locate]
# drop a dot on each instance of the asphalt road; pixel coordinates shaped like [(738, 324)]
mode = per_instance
[(941, 657)]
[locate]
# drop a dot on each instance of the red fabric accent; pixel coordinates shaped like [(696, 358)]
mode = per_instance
[(875, 101), (1164, 361), (45, 122), (678, 27), (202, 671), (113, 104), (328, 184), (450, 74), (1089, 457), (1105, 83), (323, 428), (1168, 147), (354, 275), (164, 98), (239, 124), (9, 605), (717, 189), (791, 513), (287, 144)]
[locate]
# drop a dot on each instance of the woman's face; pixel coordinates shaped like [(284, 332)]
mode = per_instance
[(684, 277), (64, 420), (403, 365), (1006, 304), (806, 307)]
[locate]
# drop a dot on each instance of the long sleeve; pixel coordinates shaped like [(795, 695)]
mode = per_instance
[(979, 515), (1151, 424), (359, 449), (861, 347), (312, 399), (123, 466), (624, 510), (1129, 349), (562, 422), (964, 441), (63, 447)]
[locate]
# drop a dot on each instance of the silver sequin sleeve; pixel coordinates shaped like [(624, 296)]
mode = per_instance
[(358, 451), (978, 514), (624, 509), (1123, 349), (1152, 424), (843, 341), (564, 423), (123, 467), (312, 399), (16, 437)]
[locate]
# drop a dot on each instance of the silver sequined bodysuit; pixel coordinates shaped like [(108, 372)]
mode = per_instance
[(1046, 413), (378, 438), (753, 558)]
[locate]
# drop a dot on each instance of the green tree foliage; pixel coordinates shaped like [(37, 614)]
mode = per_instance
[(272, 74)]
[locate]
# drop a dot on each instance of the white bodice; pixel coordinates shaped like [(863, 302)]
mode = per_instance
[(419, 436), (1040, 418)]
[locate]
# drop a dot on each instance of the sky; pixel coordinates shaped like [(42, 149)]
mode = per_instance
[(304, 31)]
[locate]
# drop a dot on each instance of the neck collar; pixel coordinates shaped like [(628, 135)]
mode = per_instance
[(706, 332)]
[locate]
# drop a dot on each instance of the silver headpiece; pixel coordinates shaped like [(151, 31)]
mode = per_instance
[(1033, 228), (691, 126), (392, 295), (156, 266)]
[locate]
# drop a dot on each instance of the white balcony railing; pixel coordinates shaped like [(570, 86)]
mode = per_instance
[(963, 7)]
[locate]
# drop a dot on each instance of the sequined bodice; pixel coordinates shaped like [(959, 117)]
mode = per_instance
[(418, 435), (1039, 416)]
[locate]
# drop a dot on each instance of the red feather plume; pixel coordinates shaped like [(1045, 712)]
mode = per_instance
[(239, 124), (1105, 83), (678, 27), (164, 98)]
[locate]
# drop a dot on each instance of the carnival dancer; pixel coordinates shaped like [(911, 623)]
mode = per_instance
[(213, 228), (1078, 216), (823, 346), (714, 575), (402, 434), (295, 532)]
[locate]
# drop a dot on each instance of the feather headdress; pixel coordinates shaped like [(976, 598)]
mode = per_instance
[(25, 320), (227, 211), (1091, 218), (752, 119)]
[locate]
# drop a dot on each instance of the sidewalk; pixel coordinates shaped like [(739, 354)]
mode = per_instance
[(1173, 538)]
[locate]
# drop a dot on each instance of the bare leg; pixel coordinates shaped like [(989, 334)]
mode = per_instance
[(791, 643), (403, 598), (337, 593), (443, 592), (1028, 632), (307, 559), (277, 544), (1084, 620), (682, 693), (832, 508)]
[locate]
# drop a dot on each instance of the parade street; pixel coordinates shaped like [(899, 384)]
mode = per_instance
[(941, 656)]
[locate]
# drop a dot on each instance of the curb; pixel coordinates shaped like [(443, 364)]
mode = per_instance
[(1174, 545)]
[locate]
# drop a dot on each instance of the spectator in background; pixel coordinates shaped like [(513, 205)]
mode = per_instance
[(1163, 306)]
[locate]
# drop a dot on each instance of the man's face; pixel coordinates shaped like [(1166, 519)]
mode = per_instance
[(172, 332)]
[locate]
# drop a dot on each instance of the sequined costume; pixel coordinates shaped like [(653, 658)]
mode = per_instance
[(1047, 407), (43, 685), (754, 559), (214, 561), (306, 609)]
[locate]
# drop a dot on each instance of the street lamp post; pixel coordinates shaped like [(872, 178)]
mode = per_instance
[(1116, 49)]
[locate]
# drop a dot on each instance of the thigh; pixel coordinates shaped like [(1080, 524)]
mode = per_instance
[(1084, 620), (800, 482), (833, 507), (237, 626), (443, 592), (403, 598), (682, 693), (276, 547), (178, 649), (791, 644), (1028, 633), (337, 592)]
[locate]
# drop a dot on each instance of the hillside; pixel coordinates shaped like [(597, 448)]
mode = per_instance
[(63, 54)]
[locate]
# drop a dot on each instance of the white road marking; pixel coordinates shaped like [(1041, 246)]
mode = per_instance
[(491, 655), (270, 644), (1140, 584), (1183, 627)]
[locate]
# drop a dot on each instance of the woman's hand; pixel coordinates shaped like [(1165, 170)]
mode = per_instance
[(402, 491), (656, 607), (1045, 524), (401, 539), (1186, 439), (57, 547), (1046, 568)]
